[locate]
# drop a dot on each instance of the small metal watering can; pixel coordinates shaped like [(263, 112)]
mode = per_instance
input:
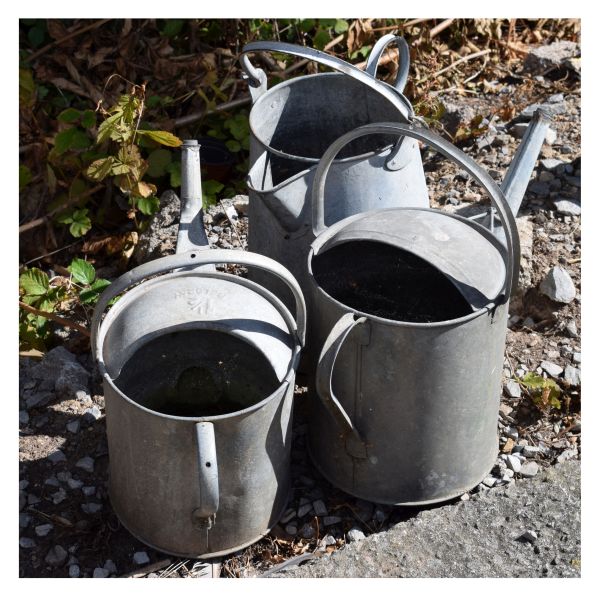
[(409, 308), (291, 126), (198, 369)]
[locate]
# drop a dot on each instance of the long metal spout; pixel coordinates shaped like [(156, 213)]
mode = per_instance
[(191, 234), (517, 178)]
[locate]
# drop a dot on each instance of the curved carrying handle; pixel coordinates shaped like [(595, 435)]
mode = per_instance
[(452, 153), (403, 59), (208, 473), (257, 78), (324, 373), (192, 259)]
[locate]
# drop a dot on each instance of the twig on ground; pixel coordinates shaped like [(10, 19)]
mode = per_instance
[(39, 221), (439, 28), (64, 322), (67, 38), (454, 64)]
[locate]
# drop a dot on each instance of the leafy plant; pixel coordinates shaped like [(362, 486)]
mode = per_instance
[(126, 165), (544, 392), (41, 299)]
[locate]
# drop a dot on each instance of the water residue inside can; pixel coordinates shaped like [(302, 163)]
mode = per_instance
[(385, 281), (197, 373)]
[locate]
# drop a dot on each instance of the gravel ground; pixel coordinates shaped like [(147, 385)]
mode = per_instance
[(67, 526)]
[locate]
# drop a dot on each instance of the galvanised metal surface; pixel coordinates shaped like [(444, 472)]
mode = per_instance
[(187, 481), (405, 412), (291, 126)]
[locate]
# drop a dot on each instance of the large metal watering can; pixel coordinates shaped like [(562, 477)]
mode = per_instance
[(293, 123), (409, 308), (198, 369)]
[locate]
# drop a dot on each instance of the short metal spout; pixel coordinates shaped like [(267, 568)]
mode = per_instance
[(191, 234)]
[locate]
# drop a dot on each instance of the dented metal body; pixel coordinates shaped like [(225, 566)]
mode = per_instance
[(406, 412), (198, 369)]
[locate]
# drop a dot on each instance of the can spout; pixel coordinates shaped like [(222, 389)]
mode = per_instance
[(191, 234), (517, 178)]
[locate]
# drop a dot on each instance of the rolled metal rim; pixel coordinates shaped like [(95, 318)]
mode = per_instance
[(298, 158), (331, 232)]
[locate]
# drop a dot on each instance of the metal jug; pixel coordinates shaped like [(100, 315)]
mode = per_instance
[(293, 123), (409, 308), (198, 369)]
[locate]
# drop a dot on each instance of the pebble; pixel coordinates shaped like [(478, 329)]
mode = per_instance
[(74, 571), (26, 542), (320, 508), (568, 207), (83, 397), (529, 535), (141, 558), (558, 285), (513, 462), (307, 531), (567, 455), (74, 426), (329, 520), (552, 163), (91, 507), (304, 510), (57, 556), (74, 483), (52, 481), (59, 496), (288, 515), (24, 520), (89, 490), (23, 417), (571, 329), (551, 136), (57, 456), (573, 375), (355, 534), (577, 357), (291, 529), (529, 469), (551, 368), (91, 414), (86, 463), (513, 389), (110, 566), (33, 499), (43, 529), (101, 573), (512, 433), (328, 540), (489, 481), (530, 451)]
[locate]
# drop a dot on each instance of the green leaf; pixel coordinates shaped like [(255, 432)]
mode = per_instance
[(82, 271), (340, 26), (306, 25), (120, 168), (80, 223), (70, 115), (174, 170), (71, 138), (88, 119), (162, 137), (148, 205), (158, 161), (100, 169), (26, 88), (90, 295), (233, 146), (544, 391), (153, 101), (34, 282), (24, 176), (107, 128), (36, 35), (172, 27), (321, 39), (211, 187)]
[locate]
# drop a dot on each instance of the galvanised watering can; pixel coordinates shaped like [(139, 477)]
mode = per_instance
[(293, 123), (409, 312), (198, 369)]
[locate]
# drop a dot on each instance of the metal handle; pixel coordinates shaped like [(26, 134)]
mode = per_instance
[(448, 150), (324, 373), (208, 471), (403, 59), (193, 259), (257, 78)]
